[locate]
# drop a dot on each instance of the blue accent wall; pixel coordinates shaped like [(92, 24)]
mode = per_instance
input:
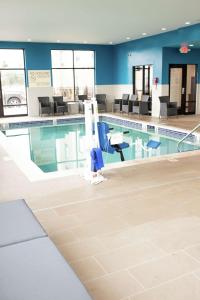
[(151, 50), (173, 56), (38, 57), (133, 54)]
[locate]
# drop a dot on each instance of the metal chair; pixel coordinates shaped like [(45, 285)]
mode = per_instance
[(81, 99), (167, 108), (101, 102), (59, 105), (127, 105), (117, 104), (141, 107), (45, 106)]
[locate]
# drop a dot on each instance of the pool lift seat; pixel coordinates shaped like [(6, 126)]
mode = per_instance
[(104, 141)]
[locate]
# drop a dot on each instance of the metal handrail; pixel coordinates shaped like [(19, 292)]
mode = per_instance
[(185, 137)]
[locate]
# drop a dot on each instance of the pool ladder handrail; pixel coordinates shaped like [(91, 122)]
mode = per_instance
[(185, 137)]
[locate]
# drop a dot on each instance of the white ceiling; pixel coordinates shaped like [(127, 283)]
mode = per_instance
[(93, 21)]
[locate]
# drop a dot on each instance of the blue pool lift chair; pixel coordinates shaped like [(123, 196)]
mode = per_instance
[(105, 145)]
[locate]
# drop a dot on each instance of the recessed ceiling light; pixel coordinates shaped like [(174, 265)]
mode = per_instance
[(58, 41), (163, 29), (28, 40), (191, 45), (128, 38), (187, 23), (144, 33)]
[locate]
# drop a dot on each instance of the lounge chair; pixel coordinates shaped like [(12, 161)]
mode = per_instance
[(45, 106), (141, 107), (167, 108), (117, 104), (127, 105), (101, 102), (81, 99), (59, 105)]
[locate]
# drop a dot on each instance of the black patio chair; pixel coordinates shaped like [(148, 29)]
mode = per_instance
[(45, 106), (101, 102), (117, 104), (59, 105)]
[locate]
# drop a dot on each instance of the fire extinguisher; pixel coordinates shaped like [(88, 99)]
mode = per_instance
[(156, 81)]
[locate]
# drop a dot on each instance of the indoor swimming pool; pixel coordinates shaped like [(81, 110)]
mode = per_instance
[(62, 147)]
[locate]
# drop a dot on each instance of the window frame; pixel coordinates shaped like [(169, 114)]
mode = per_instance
[(25, 85), (74, 68)]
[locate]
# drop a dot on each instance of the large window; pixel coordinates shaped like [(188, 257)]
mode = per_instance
[(12, 83), (73, 73)]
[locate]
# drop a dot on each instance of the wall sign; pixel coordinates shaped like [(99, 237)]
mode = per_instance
[(39, 78)]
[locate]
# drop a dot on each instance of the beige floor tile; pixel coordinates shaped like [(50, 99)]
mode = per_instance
[(126, 257), (159, 271), (194, 252), (185, 288), (161, 226), (62, 237), (86, 208), (178, 224), (100, 227), (179, 240), (88, 269), (197, 274), (115, 240), (52, 222), (81, 249), (113, 287)]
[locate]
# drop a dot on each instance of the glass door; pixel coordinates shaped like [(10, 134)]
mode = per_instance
[(12, 83), (142, 80)]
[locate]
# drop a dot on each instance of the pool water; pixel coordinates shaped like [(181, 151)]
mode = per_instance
[(56, 148)]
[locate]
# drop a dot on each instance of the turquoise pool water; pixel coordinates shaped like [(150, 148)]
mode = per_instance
[(61, 147)]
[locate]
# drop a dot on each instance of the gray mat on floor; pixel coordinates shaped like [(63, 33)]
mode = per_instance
[(35, 270), (17, 223)]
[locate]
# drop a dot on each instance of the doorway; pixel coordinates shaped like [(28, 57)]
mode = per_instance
[(182, 87), (142, 80)]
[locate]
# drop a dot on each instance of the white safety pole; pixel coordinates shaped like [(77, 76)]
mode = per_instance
[(88, 137), (96, 120)]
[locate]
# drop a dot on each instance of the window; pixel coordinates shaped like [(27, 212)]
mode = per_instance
[(12, 83), (73, 73)]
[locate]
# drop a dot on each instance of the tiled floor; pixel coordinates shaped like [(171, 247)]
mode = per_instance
[(134, 237)]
